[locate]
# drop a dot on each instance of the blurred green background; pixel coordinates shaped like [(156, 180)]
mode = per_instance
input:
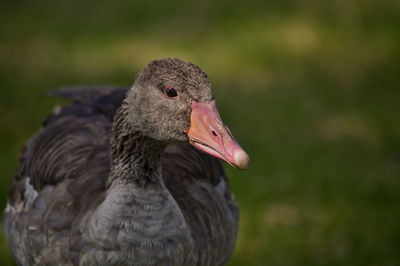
[(309, 88)]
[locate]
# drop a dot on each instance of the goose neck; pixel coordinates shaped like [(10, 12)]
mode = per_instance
[(134, 157)]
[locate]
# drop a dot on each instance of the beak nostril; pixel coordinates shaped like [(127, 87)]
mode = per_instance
[(214, 133)]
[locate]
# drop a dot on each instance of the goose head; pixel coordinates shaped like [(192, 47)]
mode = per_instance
[(172, 101)]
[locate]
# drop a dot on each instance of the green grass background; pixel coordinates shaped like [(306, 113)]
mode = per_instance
[(309, 88)]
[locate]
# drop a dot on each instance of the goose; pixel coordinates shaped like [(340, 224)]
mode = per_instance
[(128, 176)]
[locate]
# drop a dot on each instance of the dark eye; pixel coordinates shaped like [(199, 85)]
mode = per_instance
[(170, 92)]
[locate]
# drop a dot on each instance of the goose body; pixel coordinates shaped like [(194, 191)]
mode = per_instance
[(111, 178)]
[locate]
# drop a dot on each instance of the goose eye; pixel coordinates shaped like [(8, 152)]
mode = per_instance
[(170, 92)]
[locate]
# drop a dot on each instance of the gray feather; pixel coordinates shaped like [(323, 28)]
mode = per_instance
[(77, 200)]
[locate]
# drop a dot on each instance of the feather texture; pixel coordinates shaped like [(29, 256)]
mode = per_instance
[(62, 178)]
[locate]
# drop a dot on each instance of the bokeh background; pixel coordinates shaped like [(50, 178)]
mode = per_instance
[(309, 88)]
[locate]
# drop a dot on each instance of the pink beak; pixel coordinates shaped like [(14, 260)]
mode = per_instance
[(209, 134)]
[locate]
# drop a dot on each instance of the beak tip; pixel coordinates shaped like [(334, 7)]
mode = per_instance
[(242, 160)]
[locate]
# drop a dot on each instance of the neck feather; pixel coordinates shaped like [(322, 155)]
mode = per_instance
[(134, 157), (139, 220)]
